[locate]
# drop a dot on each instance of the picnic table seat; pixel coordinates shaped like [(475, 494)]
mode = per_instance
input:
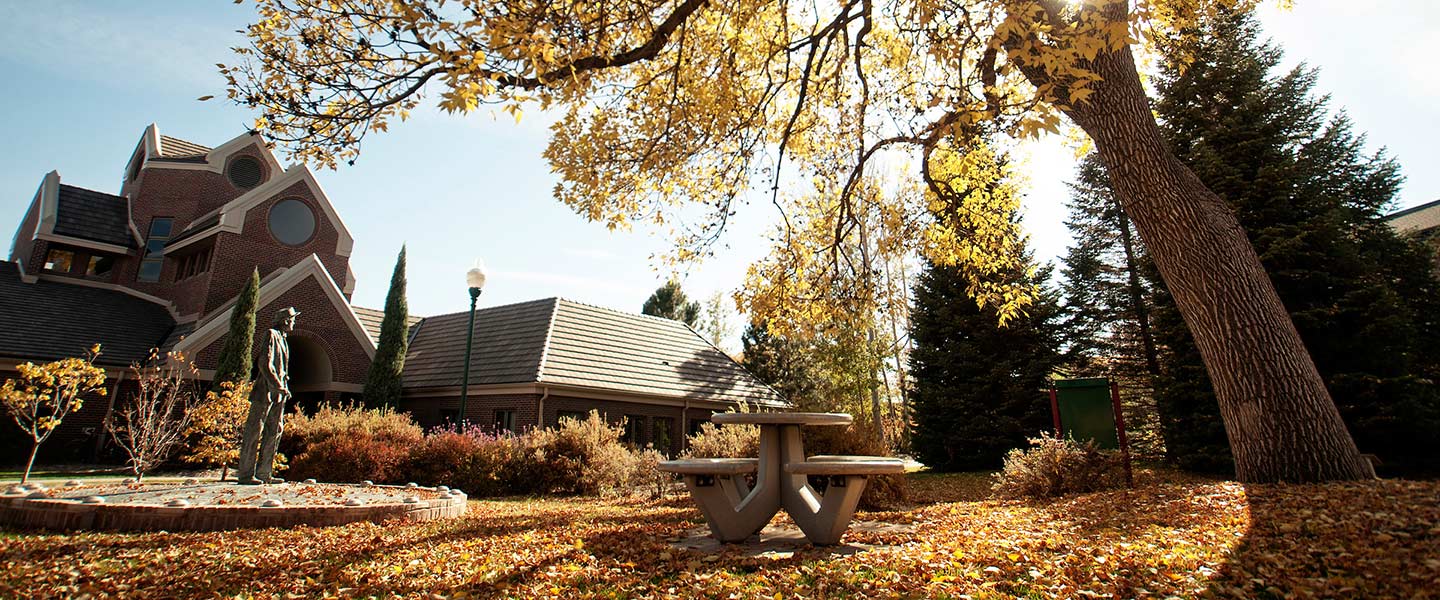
[(711, 466), (838, 465)]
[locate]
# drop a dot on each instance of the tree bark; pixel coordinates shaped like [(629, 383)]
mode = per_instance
[(30, 464), (1281, 421)]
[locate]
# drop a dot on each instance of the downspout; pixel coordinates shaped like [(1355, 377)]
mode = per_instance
[(685, 426), (540, 408)]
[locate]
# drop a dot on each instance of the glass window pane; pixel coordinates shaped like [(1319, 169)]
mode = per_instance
[(154, 248), (292, 222), (160, 227), (59, 260), (100, 266), (150, 270)]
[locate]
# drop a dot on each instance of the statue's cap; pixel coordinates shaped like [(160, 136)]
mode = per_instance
[(287, 312)]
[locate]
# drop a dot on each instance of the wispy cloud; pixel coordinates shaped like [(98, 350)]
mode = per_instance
[(113, 42)]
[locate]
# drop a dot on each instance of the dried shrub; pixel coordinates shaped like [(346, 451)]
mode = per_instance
[(1054, 466), (729, 441), (883, 492), (582, 457), (349, 444)]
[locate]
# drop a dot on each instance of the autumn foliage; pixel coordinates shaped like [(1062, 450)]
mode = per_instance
[(45, 394)]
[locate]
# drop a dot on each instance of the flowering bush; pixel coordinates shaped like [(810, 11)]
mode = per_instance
[(350, 444)]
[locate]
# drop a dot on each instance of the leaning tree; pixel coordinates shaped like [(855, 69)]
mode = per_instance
[(672, 110)]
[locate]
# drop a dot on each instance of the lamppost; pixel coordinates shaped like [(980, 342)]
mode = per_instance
[(475, 278)]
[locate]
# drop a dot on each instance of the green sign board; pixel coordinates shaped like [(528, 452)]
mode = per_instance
[(1086, 411)]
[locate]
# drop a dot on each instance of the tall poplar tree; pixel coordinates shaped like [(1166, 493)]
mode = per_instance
[(979, 388), (234, 362), (383, 381)]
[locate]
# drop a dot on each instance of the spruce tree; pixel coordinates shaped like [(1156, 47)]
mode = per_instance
[(784, 364), (1310, 201), (670, 302), (979, 388), (383, 381), (235, 358)]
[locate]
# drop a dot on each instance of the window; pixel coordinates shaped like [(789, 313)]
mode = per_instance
[(505, 420), (192, 264), (695, 425), (154, 260), (449, 415), (100, 266), (292, 222), (661, 436), (634, 430), (59, 260), (570, 414), (245, 172)]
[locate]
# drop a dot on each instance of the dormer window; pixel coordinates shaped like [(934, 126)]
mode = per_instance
[(59, 260)]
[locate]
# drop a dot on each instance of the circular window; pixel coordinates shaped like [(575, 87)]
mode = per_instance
[(245, 172), (292, 222)]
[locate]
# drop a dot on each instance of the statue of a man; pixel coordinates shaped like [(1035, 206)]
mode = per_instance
[(267, 405)]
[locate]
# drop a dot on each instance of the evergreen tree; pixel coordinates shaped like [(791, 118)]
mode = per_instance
[(979, 388), (382, 382), (783, 364), (234, 362), (670, 302), (1109, 328), (1310, 201)]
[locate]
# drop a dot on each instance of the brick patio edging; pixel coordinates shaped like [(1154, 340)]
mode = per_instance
[(72, 514)]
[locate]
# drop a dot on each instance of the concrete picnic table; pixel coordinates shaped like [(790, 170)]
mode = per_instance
[(735, 510)]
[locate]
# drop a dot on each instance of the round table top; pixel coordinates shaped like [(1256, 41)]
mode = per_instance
[(782, 418)]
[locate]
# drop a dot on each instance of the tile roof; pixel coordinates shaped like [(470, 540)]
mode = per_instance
[(371, 319), (178, 149), (561, 342), (93, 215), (1416, 218), (47, 320)]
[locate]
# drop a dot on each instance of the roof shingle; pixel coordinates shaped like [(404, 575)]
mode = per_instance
[(371, 319), (176, 148), (557, 341), (92, 215), (47, 320)]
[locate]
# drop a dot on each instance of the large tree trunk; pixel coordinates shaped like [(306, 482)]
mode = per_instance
[(1280, 419)]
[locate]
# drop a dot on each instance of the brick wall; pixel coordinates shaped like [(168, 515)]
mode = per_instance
[(319, 322), (481, 409), (236, 255)]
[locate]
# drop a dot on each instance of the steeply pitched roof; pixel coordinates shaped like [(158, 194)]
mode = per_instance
[(371, 319), (46, 320), (93, 215), (560, 342), (177, 149)]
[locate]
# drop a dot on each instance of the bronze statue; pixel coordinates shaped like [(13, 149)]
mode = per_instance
[(267, 405)]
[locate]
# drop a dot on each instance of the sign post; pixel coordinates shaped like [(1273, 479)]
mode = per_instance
[(1089, 409)]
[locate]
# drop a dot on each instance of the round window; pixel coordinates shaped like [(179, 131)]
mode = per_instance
[(245, 172), (292, 222)]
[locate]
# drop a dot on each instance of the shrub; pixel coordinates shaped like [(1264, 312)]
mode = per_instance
[(348, 444), (881, 492), (1054, 466), (730, 441), (582, 457)]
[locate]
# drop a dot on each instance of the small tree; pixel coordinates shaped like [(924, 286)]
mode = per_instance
[(382, 383), (44, 394), (160, 412), (235, 355), (716, 325), (216, 425), (670, 302)]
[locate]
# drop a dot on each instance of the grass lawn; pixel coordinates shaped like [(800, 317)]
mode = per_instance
[(1187, 539)]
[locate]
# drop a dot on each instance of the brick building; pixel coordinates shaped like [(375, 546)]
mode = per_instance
[(159, 265)]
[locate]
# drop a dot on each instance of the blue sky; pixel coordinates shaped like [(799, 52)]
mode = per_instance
[(83, 80)]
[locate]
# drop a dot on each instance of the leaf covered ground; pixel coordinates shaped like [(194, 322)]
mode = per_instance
[(1196, 539)]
